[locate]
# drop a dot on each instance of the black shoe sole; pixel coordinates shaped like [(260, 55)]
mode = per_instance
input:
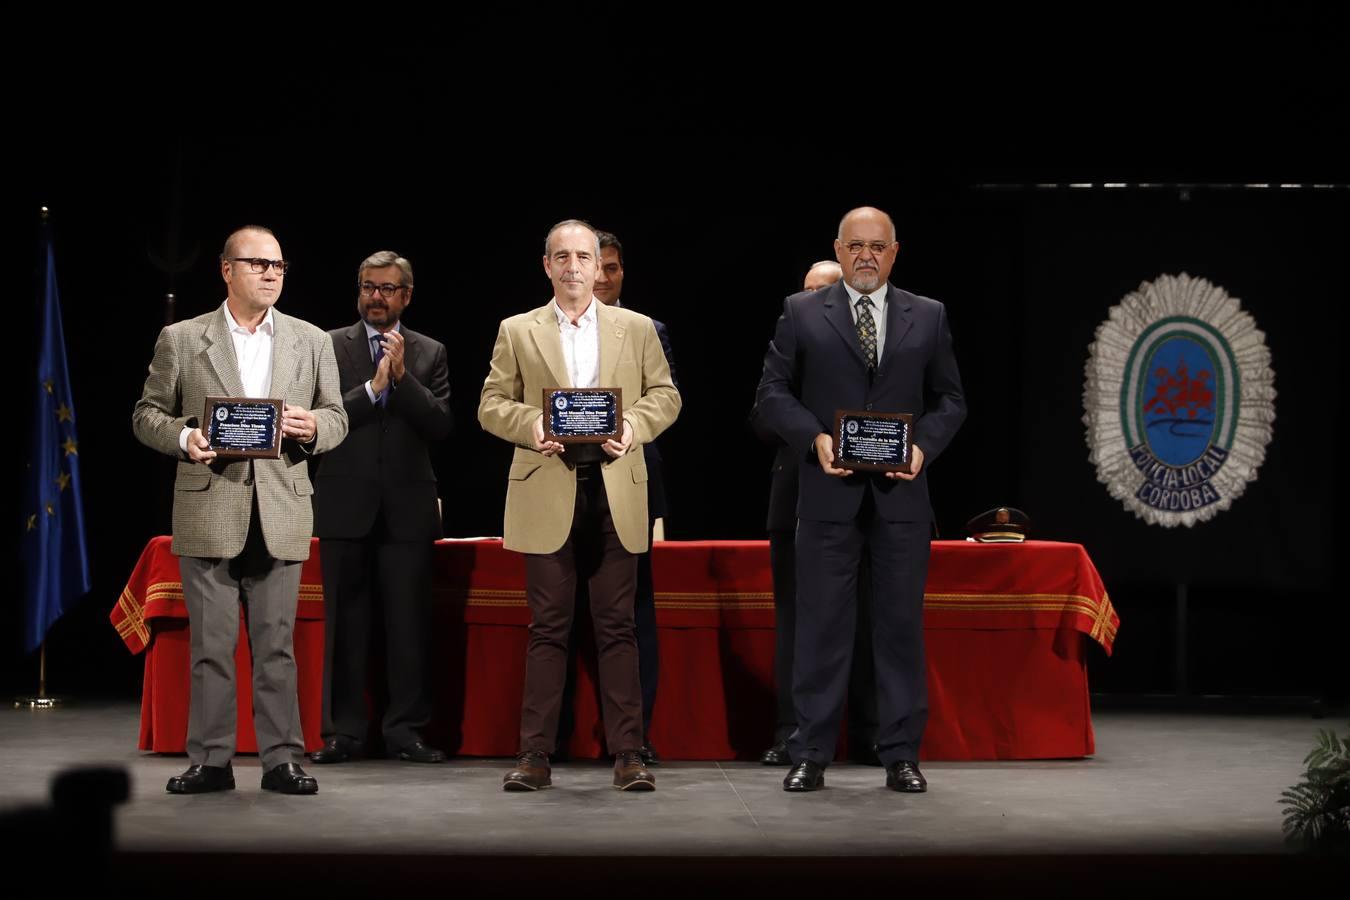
[(803, 789), (228, 786), (293, 793)]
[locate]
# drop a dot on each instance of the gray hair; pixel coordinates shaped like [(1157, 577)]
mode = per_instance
[(384, 259), (564, 224)]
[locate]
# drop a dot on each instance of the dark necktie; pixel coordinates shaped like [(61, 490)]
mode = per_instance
[(867, 331), (377, 350)]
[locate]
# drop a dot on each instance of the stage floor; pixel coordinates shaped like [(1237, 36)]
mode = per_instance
[(1161, 783)]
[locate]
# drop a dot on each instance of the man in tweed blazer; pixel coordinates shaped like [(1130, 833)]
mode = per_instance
[(241, 528)]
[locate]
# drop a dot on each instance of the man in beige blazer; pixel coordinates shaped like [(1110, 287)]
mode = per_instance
[(241, 528), (578, 512)]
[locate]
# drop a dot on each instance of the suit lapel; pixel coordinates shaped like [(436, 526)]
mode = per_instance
[(840, 318), (612, 336), (411, 349), (285, 355), (898, 323), (355, 353), (549, 344), (220, 353)]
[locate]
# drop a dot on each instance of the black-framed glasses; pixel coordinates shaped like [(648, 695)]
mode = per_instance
[(257, 265), (877, 247), (385, 290)]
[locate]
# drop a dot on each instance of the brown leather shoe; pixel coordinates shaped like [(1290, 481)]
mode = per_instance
[(630, 772), (530, 774)]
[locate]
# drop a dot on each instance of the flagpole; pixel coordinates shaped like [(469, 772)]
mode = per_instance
[(41, 700)]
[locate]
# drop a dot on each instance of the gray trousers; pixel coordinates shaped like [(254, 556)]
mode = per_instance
[(212, 591)]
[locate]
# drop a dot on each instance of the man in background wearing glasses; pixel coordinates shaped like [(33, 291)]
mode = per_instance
[(242, 527), (864, 345), (376, 516)]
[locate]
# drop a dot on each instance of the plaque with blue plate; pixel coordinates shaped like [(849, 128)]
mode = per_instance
[(243, 427), (583, 415), (867, 441)]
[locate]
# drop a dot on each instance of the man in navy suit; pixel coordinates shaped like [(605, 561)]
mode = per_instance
[(868, 345)]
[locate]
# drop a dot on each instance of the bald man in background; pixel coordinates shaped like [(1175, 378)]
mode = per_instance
[(782, 528)]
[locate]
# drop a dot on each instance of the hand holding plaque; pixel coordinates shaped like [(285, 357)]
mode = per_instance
[(243, 427), (867, 441), (583, 415)]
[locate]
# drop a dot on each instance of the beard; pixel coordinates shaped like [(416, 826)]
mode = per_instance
[(379, 315), (866, 280)]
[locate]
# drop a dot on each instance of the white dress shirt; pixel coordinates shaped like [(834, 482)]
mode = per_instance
[(253, 355), (581, 345)]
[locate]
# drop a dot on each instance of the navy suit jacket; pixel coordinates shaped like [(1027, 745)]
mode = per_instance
[(815, 366), (651, 454), (385, 462)]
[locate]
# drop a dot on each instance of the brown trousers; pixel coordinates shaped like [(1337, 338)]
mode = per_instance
[(592, 552)]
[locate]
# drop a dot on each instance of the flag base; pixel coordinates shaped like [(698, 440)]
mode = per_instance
[(37, 702)]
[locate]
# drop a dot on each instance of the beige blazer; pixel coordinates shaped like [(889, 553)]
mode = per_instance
[(212, 504), (541, 491)]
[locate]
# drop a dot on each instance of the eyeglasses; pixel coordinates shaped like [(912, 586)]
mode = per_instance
[(877, 247), (257, 265), (385, 290)]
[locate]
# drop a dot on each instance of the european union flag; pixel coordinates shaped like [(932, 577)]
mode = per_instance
[(56, 559)]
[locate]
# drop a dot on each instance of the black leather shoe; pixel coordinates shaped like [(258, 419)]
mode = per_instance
[(805, 776), (777, 755), (649, 757), (904, 776), (202, 780), (337, 749), (419, 752), (289, 778)]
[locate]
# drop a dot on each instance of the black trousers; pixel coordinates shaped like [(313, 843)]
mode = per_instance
[(829, 561), (359, 577), (862, 695)]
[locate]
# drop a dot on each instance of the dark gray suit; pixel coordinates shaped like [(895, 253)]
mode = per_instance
[(814, 367), (376, 519)]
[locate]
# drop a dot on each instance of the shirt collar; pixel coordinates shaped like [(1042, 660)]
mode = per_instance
[(267, 326), (878, 296), (372, 331), (588, 317)]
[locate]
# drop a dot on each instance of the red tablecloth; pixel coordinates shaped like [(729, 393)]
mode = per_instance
[(1006, 627)]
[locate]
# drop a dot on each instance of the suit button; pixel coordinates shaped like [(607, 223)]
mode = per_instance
[(249, 481), (868, 406)]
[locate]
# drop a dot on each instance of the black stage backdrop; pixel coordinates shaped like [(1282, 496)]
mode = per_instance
[(724, 188)]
